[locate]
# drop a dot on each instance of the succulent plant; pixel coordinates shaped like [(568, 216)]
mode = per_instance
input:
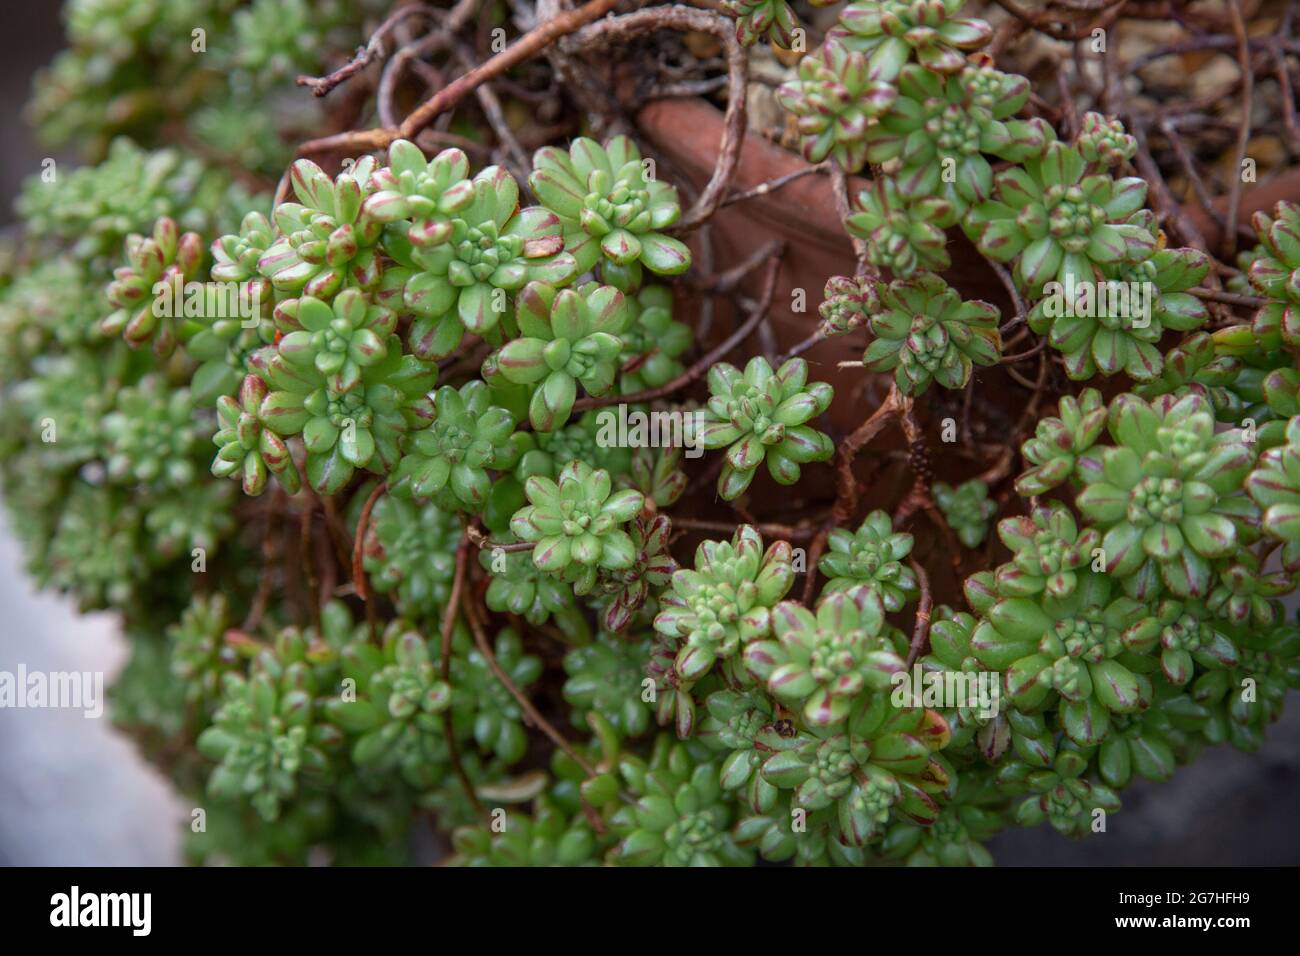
[(870, 560), (848, 303), (1159, 494), (680, 817), (1078, 647), (327, 238), (576, 524), (725, 599), (891, 31), (940, 128), (820, 665), (834, 100), (410, 550), (151, 435), (482, 706), (199, 654), (1060, 441), (1104, 141), (627, 591), (606, 677), (1274, 485), (902, 235), (612, 209), (966, 508), (397, 708), (1062, 794), (147, 292), (547, 838), (925, 332), (264, 737), (466, 282), (360, 428), (1115, 325), (247, 450), (653, 341), (1273, 274), (1049, 552), (1060, 223), (756, 19), (570, 337), (449, 459), (759, 416), (429, 194)]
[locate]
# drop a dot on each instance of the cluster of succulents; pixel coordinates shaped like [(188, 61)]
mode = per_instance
[(459, 593)]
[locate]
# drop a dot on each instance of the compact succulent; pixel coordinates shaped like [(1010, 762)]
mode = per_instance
[(848, 303), (146, 290), (448, 460), (612, 208), (891, 32), (902, 235), (725, 599), (941, 128), (1167, 495), (335, 402), (466, 281), (760, 415), (966, 508), (835, 98), (870, 561), (568, 338), (1115, 325), (1061, 223), (820, 665), (576, 523), (924, 332)]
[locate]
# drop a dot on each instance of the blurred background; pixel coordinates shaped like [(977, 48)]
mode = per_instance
[(74, 792)]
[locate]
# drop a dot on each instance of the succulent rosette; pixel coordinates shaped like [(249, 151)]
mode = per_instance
[(1049, 552), (576, 523), (924, 332), (612, 209), (902, 235), (870, 560), (1164, 494), (940, 129), (569, 338), (834, 100), (1059, 222), (338, 340), (326, 239), (1115, 325), (1073, 647), (890, 32), (148, 292), (967, 508), (756, 19), (427, 193), (819, 665), (725, 599), (848, 303), (449, 459), (1275, 274), (1060, 441), (467, 282), (760, 415), (652, 342), (247, 450)]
